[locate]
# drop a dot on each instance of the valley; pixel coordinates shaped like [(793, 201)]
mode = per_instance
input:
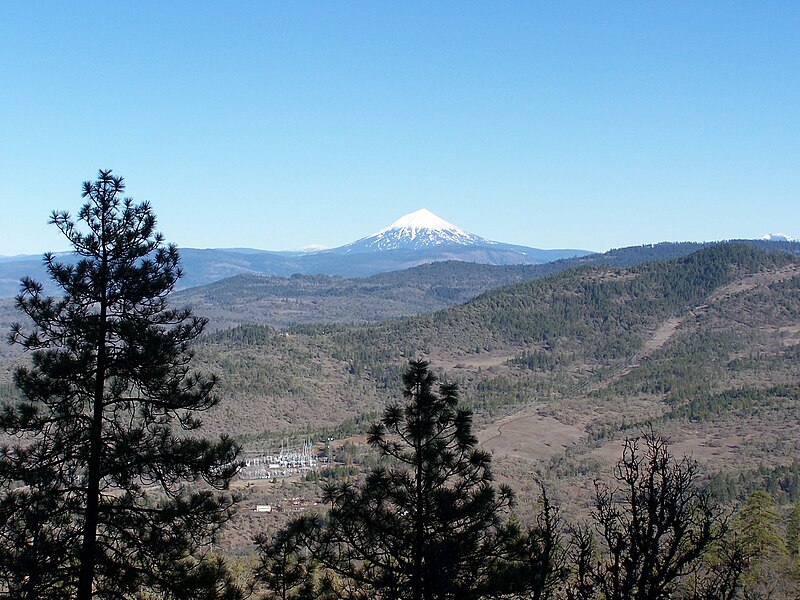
[(400, 301), (558, 370), (560, 363)]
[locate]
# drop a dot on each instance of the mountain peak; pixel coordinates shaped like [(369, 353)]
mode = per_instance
[(417, 230), (421, 219)]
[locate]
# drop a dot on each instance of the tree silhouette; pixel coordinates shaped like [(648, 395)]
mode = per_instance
[(94, 500), (427, 525), (286, 568), (546, 555), (653, 530)]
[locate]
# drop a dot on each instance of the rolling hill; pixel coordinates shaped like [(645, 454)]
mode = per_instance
[(704, 347), (306, 299), (557, 339)]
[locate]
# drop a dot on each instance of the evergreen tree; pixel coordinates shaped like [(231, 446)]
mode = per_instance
[(286, 569), (755, 526), (427, 525), (94, 500), (756, 523)]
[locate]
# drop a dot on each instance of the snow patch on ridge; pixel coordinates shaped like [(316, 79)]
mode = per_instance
[(778, 237)]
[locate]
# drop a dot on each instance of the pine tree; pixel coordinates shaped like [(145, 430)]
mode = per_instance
[(286, 569), (755, 526), (756, 523), (95, 500), (427, 525)]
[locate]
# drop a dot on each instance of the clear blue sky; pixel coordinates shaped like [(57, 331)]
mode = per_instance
[(281, 125)]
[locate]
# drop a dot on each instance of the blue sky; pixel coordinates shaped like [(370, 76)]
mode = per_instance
[(282, 125)]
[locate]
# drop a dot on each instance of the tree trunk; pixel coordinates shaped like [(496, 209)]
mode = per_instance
[(92, 516)]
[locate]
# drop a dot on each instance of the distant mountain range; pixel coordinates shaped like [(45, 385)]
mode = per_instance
[(617, 347), (305, 299), (417, 238)]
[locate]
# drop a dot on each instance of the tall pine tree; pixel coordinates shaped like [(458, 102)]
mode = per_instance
[(95, 500), (429, 524)]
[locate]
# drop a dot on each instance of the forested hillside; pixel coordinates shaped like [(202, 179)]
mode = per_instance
[(703, 349), (598, 349), (306, 299), (691, 343)]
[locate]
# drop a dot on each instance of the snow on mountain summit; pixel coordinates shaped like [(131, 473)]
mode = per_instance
[(778, 237), (419, 229), (421, 219)]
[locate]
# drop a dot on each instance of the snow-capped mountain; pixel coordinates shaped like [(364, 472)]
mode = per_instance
[(778, 237), (417, 230), (417, 238), (422, 237)]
